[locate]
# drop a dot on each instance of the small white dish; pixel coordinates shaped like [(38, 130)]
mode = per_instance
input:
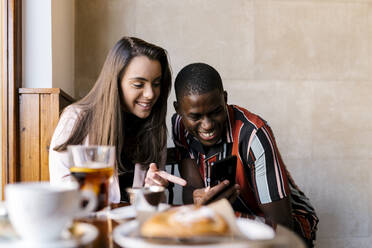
[(122, 213), (87, 234)]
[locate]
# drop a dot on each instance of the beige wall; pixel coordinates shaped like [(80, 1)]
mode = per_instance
[(63, 45), (304, 66)]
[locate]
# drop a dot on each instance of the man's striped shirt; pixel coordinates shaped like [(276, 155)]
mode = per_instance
[(261, 173)]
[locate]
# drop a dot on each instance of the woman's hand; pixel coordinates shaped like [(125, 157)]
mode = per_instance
[(204, 196), (161, 178)]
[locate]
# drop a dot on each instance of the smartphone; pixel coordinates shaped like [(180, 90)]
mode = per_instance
[(224, 169)]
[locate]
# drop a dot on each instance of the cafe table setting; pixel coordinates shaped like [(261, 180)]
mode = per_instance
[(43, 215), (78, 213)]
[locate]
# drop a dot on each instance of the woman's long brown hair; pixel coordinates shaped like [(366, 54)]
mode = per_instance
[(101, 115)]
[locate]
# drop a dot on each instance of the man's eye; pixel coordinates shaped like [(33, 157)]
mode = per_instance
[(217, 111), (194, 118)]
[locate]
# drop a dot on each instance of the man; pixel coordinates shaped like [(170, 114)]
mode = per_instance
[(206, 129)]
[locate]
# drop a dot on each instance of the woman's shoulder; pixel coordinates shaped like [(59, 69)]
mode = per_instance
[(70, 115), (66, 123), (71, 111)]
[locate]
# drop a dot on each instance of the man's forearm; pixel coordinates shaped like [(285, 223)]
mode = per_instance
[(279, 211), (189, 171)]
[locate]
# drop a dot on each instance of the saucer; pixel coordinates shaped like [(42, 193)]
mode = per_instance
[(127, 212), (86, 233)]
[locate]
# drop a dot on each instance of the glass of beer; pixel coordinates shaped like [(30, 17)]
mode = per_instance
[(92, 167)]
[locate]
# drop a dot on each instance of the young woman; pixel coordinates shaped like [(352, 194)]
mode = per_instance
[(126, 108)]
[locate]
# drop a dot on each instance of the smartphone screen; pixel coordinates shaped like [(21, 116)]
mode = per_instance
[(222, 170)]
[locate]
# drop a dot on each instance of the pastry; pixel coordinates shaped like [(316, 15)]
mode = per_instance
[(184, 222)]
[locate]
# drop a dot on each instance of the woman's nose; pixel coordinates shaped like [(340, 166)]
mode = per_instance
[(148, 92)]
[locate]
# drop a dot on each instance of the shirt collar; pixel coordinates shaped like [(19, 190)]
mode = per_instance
[(229, 124)]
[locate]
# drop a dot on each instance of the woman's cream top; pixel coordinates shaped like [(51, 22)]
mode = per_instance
[(59, 167)]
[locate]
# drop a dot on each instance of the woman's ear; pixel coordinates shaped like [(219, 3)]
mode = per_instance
[(176, 106)]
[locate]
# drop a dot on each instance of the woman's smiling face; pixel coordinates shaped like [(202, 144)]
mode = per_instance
[(140, 86), (204, 116)]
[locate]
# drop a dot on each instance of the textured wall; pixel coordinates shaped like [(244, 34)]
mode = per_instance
[(304, 66), (63, 45)]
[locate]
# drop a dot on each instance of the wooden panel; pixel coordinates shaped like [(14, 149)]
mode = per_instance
[(39, 114), (11, 80), (49, 114), (30, 139), (39, 91)]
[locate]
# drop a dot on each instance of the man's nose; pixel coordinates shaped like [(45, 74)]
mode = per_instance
[(207, 123)]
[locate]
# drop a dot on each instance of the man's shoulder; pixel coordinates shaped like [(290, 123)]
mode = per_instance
[(175, 116), (177, 123), (246, 118), (178, 130)]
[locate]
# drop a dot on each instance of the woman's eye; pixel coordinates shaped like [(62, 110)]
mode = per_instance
[(137, 85), (156, 84)]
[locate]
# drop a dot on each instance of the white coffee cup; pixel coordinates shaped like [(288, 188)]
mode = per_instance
[(147, 198), (39, 211)]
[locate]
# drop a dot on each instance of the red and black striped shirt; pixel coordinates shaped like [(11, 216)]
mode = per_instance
[(261, 173)]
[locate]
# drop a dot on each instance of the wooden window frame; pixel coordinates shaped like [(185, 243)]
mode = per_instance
[(11, 81)]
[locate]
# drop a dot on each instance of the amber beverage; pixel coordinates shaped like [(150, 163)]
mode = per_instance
[(93, 167), (96, 180)]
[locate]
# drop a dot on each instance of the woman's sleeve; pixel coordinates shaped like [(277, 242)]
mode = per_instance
[(59, 161), (141, 170), (139, 175)]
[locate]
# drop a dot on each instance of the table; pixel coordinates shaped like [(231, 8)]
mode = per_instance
[(284, 238), (105, 226)]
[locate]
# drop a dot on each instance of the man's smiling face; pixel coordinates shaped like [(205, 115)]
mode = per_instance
[(204, 115)]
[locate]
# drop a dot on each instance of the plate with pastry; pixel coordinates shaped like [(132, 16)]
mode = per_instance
[(187, 225)]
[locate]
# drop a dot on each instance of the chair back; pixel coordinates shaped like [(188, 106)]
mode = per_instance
[(170, 165)]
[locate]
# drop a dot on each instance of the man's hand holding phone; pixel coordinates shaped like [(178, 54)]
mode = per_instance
[(207, 195), (222, 181)]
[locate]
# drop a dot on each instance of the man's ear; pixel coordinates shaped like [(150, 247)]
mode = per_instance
[(225, 96), (176, 106)]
